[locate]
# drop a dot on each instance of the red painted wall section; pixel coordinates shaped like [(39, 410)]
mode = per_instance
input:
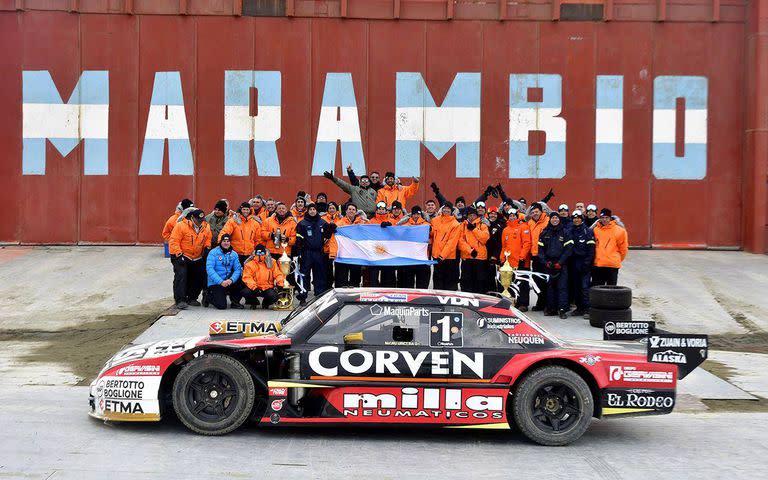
[(65, 206)]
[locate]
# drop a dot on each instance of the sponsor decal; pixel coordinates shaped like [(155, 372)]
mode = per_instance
[(119, 406), (640, 398), (384, 297), (685, 351), (431, 404), (526, 339), (274, 418), (137, 370), (123, 389), (499, 323), (458, 301), (590, 359), (445, 329), (398, 311), (633, 375), (247, 328), (277, 405), (278, 391), (153, 350), (328, 361), (215, 328), (627, 330)]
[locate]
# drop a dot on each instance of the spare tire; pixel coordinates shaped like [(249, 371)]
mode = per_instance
[(610, 297), (598, 316)]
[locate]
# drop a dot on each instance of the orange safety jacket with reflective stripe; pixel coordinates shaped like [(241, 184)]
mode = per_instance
[(445, 237), (611, 245), (245, 235), (474, 240), (190, 243), (516, 239), (257, 276)]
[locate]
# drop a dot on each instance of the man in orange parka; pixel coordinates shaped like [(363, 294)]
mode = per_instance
[(171, 222), (391, 192), (190, 239), (516, 240), (445, 239), (345, 274), (611, 247), (279, 228), (244, 232), (474, 255), (261, 274), (537, 224), (414, 275)]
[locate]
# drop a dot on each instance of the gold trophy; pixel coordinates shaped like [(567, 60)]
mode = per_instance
[(506, 276), (285, 295)]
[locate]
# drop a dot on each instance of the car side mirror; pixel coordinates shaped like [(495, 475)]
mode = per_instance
[(356, 337)]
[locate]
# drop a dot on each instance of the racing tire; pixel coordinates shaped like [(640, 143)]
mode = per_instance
[(610, 297), (213, 394), (553, 406), (599, 316)]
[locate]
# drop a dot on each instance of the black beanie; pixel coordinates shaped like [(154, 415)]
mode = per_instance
[(416, 210), (460, 199), (186, 203), (389, 174), (245, 205), (397, 204), (221, 205)]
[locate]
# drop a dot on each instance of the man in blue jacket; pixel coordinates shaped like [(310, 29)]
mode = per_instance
[(580, 263), (555, 246), (311, 235), (224, 271)]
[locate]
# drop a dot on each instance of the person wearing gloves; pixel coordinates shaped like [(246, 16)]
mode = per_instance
[(382, 276), (345, 274), (474, 254), (392, 192), (611, 247), (414, 276), (363, 195), (244, 231), (311, 234), (172, 220), (374, 180), (516, 240), (555, 247), (224, 271), (521, 205), (445, 240), (261, 274), (461, 204), (537, 223), (190, 238), (217, 219), (278, 229), (496, 224), (580, 263)]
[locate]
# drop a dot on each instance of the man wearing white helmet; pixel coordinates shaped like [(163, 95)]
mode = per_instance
[(591, 216)]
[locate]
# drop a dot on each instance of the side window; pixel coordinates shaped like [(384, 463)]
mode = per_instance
[(379, 324), (479, 333)]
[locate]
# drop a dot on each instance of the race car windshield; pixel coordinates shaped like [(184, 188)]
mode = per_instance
[(302, 316)]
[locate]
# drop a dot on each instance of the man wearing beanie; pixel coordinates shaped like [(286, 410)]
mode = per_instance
[(244, 231), (474, 254), (311, 235), (555, 247), (190, 239), (172, 220), (224, 271), (261, 274), (536, 225), (363, 196), (391, 192), (611, 247), (580, 263), (217, 219)]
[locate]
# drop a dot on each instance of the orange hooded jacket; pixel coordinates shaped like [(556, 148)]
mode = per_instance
[(445, 237), (258, 276), (287, 229), (516, 239), (536, 228), (474, 240), (169, 224), (397, 192), (611, 245), (190, 243), (245, 235)]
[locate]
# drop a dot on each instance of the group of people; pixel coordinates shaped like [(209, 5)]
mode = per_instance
[(233, 253)]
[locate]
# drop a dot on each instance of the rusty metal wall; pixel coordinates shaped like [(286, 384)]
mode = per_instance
[(66, 206)]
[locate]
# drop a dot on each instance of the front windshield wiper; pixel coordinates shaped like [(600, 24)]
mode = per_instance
[(291, 315)]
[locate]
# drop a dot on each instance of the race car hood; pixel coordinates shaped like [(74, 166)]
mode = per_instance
[(628, 348)]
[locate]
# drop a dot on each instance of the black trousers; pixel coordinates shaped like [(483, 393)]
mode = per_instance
[(579, 277), (347, 275), (189, 278), (446, 276), (473, 273), (382, 276), (524, 295), (537, 266), (217, 295), (414, 276), (252, 296), (557, 290), (604, 276), (312, 265)]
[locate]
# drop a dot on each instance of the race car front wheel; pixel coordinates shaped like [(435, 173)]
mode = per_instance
[(553, 406), (213, 394)]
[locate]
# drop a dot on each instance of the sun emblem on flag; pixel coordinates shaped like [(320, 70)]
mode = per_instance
[(381, 249)]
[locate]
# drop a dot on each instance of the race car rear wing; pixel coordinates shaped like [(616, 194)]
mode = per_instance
[(685, 351)]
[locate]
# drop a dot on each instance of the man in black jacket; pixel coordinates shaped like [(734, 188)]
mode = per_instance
[(311, 234), (496, 225), (580, 263), (555, 246)]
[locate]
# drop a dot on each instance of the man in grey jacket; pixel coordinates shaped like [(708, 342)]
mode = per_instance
[(363, 195), (217, 219)]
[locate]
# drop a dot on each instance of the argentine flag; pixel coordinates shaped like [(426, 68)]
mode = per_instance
[(382, 247)]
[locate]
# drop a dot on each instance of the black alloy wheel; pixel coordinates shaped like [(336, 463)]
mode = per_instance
[(556, 407)]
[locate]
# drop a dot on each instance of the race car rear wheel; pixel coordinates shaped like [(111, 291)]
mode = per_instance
[(553, 406), (213, 394)]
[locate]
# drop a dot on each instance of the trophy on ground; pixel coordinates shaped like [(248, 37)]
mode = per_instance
[(285, 292), (506, 276)]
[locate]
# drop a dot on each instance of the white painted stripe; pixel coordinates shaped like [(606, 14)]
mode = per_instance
[(174, 127), (609, 125), (240, 125), (523, 120), (664, 126), (438, 124), (347, 129), (368, 249), (56, 120)]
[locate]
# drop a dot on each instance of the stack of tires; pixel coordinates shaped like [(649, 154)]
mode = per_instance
[(609, 303)]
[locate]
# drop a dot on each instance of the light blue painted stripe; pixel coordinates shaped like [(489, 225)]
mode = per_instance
[(96, 156), (92, 88), (33, 156), (412, 91), (666, 89), (549, 165), (267, 163), (180, 157), (551, 85), (339, 90), (237, 85), (167, 89), (64, 145), (409, 233), (439, 149), (390, 262), (324, 157), (152, 157), (610, 91), (608, 160), (693, 166), (352, 152), (468, 159), (407, 158), (236, 156)]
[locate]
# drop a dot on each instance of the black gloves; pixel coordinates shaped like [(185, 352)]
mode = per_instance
[(332, 228), (433, 185), (488, 191), (470, 226), (548, 196), (328, 175), (494, 192), (521, 264), (386, 224), (473, 254), (498, 188)]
